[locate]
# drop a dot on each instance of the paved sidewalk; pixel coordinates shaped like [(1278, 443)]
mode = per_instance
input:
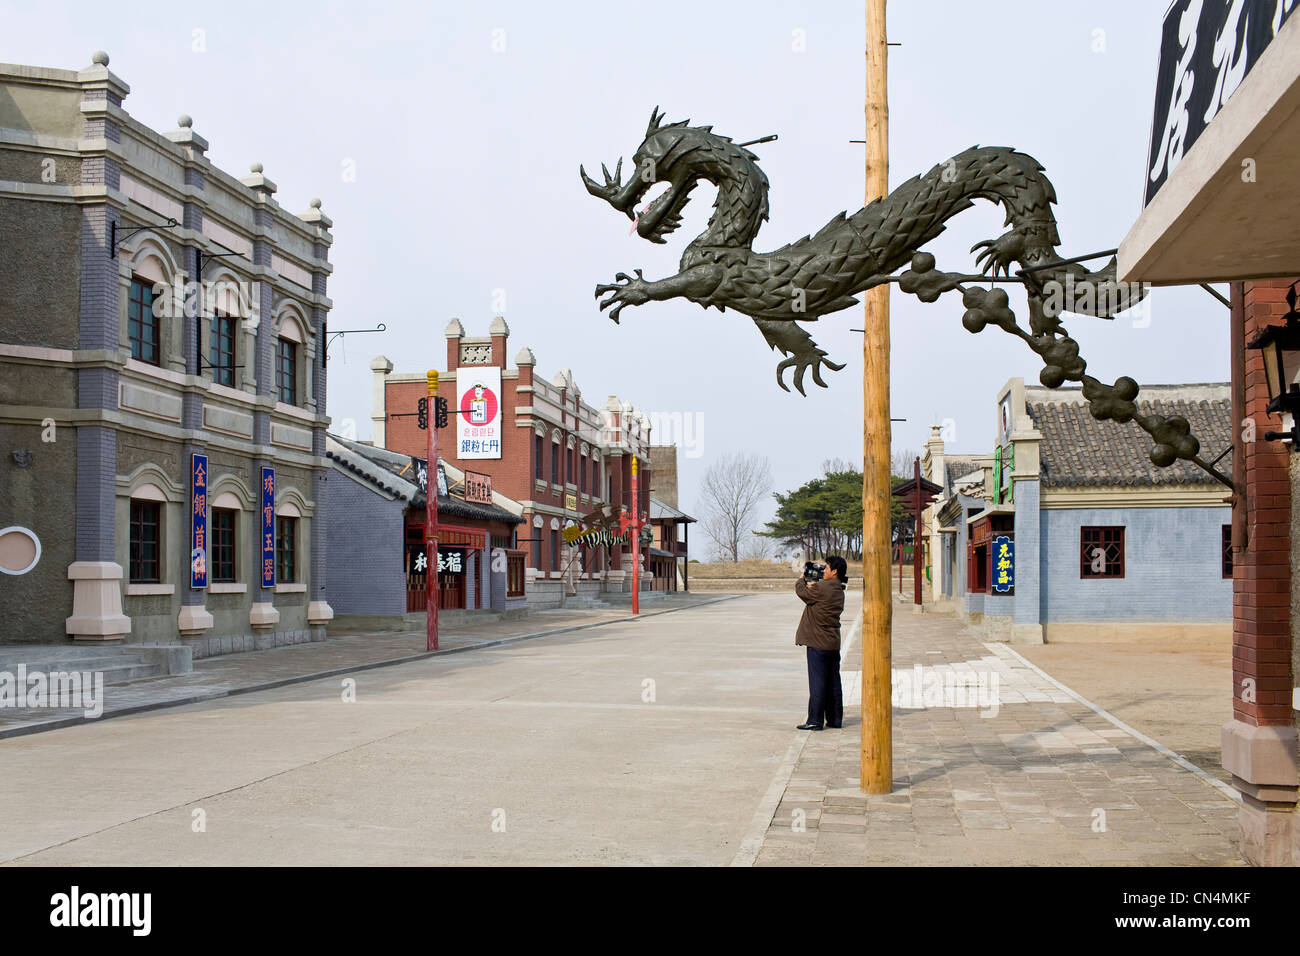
[(1040, 779), (340, 653)]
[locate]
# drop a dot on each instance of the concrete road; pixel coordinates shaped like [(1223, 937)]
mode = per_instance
[(647, 742)]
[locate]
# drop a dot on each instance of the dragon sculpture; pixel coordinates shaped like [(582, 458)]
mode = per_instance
[(821, 274)]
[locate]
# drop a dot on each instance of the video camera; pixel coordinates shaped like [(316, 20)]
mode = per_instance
[(812, 571)]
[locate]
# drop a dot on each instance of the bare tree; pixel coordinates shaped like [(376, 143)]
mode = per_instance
[(903, 463), (730, 493)]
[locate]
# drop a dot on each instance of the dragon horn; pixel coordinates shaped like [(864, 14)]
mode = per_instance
[(655, 117)]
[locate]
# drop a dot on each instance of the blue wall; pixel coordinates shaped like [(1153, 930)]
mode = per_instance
[(1027, 598), (365, 549), (1172, 566)]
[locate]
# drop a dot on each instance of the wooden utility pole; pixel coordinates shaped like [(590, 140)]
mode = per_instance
[(877, 773)]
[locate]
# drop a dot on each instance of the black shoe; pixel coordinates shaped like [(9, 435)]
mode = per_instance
[(835, 726), (809, 727)]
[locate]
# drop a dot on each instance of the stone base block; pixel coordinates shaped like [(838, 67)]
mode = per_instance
[(318, 612), (193, 619), (263, 615), (1263, 762), (96, 602), (1027, 634)]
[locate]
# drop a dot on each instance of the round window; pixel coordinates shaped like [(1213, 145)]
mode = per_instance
[(20, 549)]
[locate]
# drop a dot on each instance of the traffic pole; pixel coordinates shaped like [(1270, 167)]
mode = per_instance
[(636, 543), (877, 756), (917, 544), (431, 520)]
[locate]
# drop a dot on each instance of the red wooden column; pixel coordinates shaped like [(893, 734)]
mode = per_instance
[(431, 519), (1259, 743)]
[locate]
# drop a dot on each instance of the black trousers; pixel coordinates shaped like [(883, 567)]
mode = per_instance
[(825, 695)]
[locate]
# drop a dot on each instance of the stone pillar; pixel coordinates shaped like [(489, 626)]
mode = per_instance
[(499, 332), (1259, 743), (381, 367), (96, 575), (319, 611), (1026, 488), (262, 613), (454, 333), (194, 617)]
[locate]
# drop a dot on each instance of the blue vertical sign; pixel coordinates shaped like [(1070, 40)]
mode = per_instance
[(268, 527), (199, 526), (1004, 563)]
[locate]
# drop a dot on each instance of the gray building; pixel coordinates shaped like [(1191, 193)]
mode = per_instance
[(1068, 532), (374, 502), (154, 308)]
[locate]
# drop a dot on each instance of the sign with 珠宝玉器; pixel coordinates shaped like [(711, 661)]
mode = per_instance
[(199, 524), (268, 527), (1004, 563)]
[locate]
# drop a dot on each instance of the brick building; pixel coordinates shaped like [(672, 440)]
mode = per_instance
[(161, 356), (559, 457), (1221, 203)]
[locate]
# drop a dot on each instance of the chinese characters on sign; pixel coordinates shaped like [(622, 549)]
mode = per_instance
[(450, 561), (268, 527), (478, 488), (478, 413), (1206, 50), (199, 526), (1004, 563)]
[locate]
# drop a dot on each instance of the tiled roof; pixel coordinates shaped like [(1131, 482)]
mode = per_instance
[(380, 467), (1077, 450), (954, 468)]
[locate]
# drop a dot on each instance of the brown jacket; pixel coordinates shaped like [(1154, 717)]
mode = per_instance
[(820, 625)]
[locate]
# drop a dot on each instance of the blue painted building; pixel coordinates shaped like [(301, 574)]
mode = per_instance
[(1100, 544)]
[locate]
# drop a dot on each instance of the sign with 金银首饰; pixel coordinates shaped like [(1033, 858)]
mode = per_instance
[(1004, 563), (268, 527), (199, 522)]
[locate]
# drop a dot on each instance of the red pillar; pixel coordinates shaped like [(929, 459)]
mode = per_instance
[(636, 543), (431, 520), (1259, 744)]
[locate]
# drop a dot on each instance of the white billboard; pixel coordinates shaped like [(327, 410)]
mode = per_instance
[(478, 412)]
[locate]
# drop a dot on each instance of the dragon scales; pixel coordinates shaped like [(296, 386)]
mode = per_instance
[(821, 274)]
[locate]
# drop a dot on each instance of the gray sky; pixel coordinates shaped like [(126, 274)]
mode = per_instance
[(466, 180)]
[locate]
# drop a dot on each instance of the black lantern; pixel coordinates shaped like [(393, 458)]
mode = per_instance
[(1278, 342)]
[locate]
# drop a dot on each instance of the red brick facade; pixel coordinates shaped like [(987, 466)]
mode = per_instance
[(1261, 652), (561, 457)]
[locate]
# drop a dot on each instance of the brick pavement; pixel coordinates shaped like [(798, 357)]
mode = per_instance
[(340, 653), (1040, 779)]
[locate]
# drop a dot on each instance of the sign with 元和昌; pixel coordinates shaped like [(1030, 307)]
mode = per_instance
[(199, 524), (268, 527), (1004, 563)]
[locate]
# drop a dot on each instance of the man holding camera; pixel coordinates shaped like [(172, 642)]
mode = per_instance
[(819, 632)]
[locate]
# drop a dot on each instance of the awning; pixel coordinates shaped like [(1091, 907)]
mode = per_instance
[(1226, 210)]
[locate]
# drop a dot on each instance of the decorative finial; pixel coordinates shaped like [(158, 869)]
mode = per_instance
[(99, 58), (256, 167), (185, 121), (315, 204)]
